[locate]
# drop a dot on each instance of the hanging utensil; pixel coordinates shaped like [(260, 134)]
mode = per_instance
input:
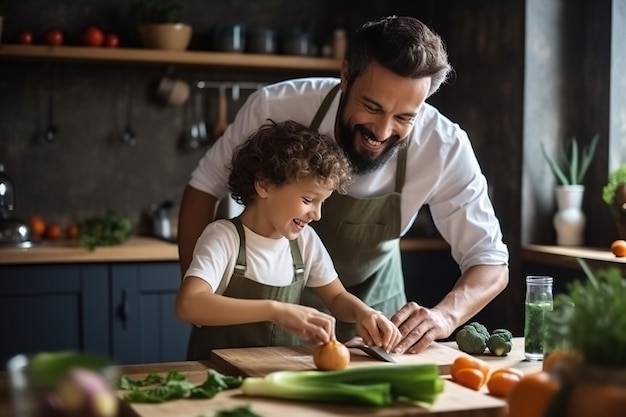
[(199, 107), (222, 118), (129, 136), (51, 129)]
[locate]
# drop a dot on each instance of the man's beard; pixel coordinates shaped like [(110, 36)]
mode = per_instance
[(364, 162)]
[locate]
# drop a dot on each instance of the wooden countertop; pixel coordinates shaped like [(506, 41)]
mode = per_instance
[(565, 256), (139, 249), (136, 249), (455, 401)]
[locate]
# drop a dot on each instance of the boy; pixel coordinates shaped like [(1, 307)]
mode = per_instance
[(247, 274)]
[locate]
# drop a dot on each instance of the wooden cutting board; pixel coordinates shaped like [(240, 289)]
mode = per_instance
[(455, 401), (263, 360)]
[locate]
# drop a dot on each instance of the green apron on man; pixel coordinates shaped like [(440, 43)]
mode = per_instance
[(362, 236), (203, 339)]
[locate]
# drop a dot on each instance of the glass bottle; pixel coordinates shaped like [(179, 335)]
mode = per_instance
[(539, 300)]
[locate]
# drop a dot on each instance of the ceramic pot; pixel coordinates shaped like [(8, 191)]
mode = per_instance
[(569, 220), (170, 36)]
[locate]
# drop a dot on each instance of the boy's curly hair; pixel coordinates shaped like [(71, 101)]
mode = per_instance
[(284, 152)]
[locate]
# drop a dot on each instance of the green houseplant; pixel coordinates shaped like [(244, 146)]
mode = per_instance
[(595, 385), (159, 24), (570, 168), (572, 163), (614, 195)]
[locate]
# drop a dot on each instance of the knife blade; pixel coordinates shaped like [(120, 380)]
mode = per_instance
[(375, 352)]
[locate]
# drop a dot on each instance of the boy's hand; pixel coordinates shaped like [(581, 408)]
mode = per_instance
[(306, 322), (376, 329)]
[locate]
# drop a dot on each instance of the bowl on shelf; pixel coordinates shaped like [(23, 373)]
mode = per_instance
[(170, 36)]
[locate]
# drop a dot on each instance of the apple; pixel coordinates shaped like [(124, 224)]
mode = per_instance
[(111, 40), (25, 37), (93, 36), (54, 37)]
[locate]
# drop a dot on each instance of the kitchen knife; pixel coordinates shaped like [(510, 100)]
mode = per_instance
[(375, 352)]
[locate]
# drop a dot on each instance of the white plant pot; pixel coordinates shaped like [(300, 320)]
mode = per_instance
[(569, 220)]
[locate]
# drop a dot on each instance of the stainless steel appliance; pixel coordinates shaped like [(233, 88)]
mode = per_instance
[(13, 231)]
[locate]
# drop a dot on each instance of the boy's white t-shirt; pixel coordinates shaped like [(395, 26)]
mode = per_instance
[(269, 261)]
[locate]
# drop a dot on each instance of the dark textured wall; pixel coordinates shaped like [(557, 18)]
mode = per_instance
[(87, 167)]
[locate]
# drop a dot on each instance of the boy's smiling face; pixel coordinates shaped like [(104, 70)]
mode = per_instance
[(283, 211)]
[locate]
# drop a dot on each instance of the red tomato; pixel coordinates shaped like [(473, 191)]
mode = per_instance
[(54, 37), (111, 40), (93, 36), (25, 37)]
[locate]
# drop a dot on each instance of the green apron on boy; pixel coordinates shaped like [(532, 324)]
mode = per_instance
[(203, 339)]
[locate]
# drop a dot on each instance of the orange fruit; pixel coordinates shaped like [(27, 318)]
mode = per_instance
[(37, 225), (53, 232), (619, 248), (560, 360), (531, 395), (467, 361), (71, 231), (503, 380), (469, 377), (331, 356)]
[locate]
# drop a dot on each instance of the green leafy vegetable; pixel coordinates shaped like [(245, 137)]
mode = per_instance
[(174, 386), (46, 368), (106, 229), (365, 385), (242, 411), (472, 338), (500, 343)]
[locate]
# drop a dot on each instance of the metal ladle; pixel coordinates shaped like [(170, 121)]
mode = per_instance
[(129, 136), (51, 129)]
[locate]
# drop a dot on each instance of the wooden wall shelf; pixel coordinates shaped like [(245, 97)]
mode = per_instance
[(154, 56)]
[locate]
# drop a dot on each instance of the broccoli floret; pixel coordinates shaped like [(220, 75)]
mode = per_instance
[(500, 343), (503, 331), (470, 340), (480, 329)]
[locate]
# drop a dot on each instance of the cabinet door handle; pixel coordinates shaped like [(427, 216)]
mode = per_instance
[(123, 309)]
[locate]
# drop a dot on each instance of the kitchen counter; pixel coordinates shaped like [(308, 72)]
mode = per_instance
[(565, 256), (455, 401), (139, 249)]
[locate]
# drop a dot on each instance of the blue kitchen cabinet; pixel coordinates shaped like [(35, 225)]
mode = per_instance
[(53, 307), (145, 328), (122, 310)]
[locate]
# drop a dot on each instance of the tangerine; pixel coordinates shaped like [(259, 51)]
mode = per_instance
[(71, 231), (53, 232), (37, 225), (618, 248), (531, 395)]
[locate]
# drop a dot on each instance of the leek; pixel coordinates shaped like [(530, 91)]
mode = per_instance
[(365, 385)]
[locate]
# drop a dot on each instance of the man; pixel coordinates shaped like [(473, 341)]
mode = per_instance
[(404, 153)]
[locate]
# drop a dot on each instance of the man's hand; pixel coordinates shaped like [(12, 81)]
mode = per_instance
[(419, 327)]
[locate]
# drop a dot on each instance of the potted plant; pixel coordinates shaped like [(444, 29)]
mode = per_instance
[(569, 169), (614, 195), (595, 384), (160, 24)]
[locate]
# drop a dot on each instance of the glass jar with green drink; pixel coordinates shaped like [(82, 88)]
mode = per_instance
[(538, 301)]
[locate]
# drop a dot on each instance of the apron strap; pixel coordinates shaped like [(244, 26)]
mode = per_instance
[(241, 266), (298, 265), (323, 109), (401, 167)]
